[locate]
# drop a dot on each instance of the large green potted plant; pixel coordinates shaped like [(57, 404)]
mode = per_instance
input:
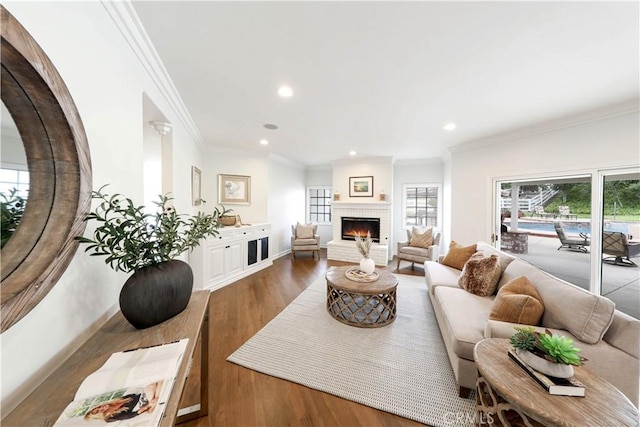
[(146, 245), (546, 352)]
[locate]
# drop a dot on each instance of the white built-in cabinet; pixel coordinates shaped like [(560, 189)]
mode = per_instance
[(234, 253)]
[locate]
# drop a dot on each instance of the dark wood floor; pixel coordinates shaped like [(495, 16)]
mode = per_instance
[(241, 397)]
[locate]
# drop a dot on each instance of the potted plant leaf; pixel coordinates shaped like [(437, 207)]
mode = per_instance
[(147, 245), (546, 352)]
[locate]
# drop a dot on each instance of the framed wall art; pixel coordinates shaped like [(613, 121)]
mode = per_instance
[(234, 189), (361, 186), (196, 189)]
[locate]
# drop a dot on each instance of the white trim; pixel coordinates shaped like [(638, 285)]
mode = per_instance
[(308, 201), (126, 19), (608, 112), (439, 207)]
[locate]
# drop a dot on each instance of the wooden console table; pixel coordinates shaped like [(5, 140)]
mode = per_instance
[(46, 403), (506, 395)]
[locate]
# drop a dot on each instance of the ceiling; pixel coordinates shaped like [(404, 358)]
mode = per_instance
[(383, 78)]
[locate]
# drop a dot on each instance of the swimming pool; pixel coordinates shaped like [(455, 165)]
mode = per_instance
[(575, 228)]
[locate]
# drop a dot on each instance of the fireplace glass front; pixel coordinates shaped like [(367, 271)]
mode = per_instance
[(352, 226)]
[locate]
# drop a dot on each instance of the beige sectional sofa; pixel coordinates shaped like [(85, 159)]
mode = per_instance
[(609, 339)]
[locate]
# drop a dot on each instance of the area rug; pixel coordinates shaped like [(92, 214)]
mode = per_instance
[(401, 368)]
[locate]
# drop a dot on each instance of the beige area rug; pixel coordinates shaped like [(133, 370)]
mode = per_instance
[(401, 368)]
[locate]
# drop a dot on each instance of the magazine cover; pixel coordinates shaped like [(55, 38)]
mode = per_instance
[(130, 389)]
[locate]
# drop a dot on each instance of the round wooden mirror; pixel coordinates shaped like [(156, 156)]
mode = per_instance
[(60, 173)]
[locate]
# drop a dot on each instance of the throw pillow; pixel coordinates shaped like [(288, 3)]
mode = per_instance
[(518, 302), (458, 255), (421, 240), (304, 231), (480, 274)]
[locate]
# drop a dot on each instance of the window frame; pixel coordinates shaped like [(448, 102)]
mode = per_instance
[(328, 190), (439, 207)]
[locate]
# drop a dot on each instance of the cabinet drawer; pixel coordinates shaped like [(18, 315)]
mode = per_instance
[(244, 234)]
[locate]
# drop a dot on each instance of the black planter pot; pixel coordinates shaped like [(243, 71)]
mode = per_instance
[(156, 293)]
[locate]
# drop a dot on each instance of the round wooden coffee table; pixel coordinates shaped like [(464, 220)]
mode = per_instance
[(362, 304), (506, 395)]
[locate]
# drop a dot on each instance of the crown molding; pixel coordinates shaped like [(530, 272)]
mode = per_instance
[(128, 23), (360, 160), (594, 115)]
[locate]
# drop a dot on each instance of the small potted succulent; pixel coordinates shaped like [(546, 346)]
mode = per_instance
[(147, 245), (545, 352)]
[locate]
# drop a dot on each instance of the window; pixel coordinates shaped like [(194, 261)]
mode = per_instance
[(421, 205), (319, 204), (14, 178)]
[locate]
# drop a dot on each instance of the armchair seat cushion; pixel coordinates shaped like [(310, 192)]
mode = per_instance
[(305, 242), (412, 250)]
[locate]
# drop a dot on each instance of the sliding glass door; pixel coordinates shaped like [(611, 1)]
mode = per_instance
[(581, 228), (620, 263)]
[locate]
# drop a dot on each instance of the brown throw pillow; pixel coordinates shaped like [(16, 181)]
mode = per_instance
[(518, 302), (421, 240), (480, 274), (458, 255)]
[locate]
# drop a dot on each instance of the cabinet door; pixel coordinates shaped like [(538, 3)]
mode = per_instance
[(252, 252), (264, 248), (215, 264), (233, 258)]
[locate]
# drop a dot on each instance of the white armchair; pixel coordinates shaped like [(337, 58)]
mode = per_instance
[(415, 254), (305, 238)]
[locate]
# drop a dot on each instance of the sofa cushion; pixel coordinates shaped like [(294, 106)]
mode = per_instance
[(304, 231), (487, 250), (465, 315), (421, 240), (437, 274), (585, 315), (518, 302), (480, 274), (458, 255)]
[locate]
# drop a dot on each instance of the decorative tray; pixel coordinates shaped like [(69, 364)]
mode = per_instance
[(356, 275)]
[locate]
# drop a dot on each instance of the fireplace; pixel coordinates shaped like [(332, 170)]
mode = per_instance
[(351, 226)]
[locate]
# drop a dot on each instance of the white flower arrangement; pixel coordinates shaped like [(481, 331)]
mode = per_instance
[(364, 244)]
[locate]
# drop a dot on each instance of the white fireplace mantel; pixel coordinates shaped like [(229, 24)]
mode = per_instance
[(345, 250), (361, 205)]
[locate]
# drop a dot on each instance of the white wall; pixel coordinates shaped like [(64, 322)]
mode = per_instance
[(286, 202), (585, 148), (422, 171), (381, 169), (106, 82)]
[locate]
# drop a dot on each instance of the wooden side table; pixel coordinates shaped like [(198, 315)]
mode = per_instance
[(361, 304), (506, 395), (46, 403)]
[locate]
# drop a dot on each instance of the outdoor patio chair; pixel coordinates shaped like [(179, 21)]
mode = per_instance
[(571, 243), (564, 211), (620, 250), (539, 211)]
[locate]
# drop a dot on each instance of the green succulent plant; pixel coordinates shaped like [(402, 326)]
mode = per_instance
[(550, 346), (559, 349), (524, 339)]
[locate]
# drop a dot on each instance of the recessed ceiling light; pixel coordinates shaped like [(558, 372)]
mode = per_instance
[(270, 126), (352, 153), (285, 92), (449, 126), (264, 142)]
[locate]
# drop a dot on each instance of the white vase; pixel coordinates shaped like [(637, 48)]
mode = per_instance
[(367, 265), (544, 366)]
